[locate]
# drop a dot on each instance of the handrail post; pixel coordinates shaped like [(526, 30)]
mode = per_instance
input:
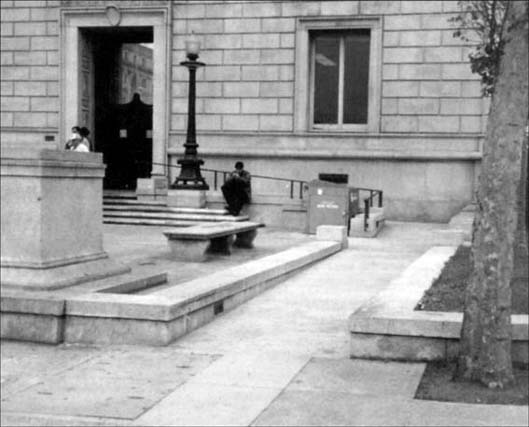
[(291, 189), (301, 190), (366, 213), (380, 198), (215, 180)]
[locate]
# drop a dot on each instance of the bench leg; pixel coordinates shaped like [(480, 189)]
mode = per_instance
[(221, 245), (245, 240), (189, 250)]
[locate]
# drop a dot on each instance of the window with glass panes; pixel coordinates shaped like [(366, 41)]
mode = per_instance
[(340, 77)]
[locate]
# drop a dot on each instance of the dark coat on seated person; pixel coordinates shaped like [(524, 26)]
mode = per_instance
[(237, 189)]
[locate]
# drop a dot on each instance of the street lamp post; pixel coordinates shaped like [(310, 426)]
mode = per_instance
[(190, 177)]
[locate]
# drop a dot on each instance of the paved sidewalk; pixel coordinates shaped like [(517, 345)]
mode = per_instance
[(279, 359)]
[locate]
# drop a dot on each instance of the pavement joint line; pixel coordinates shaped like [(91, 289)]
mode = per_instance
[(252, 422), (91, 421), (229, 360), (282, 391), (217, 396)]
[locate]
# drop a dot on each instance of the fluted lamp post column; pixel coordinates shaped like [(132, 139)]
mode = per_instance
[(190, 178)]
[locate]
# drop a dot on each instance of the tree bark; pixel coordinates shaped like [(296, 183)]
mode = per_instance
[(521, 252), (485, 354)]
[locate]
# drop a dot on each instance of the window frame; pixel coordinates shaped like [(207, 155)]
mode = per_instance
[(305, 67)]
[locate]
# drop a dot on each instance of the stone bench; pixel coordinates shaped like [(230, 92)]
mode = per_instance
[(196, 242)]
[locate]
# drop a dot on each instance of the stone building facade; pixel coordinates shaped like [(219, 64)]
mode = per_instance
[(269, 66)]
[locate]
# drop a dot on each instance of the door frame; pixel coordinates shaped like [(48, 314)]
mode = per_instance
[(72, 21)]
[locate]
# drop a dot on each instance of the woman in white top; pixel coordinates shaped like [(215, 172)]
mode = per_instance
[(84, 132), (78, 141), (75, 138), (82, 147)]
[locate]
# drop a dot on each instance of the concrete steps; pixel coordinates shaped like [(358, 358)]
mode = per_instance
[(139, 221), (127, 210)]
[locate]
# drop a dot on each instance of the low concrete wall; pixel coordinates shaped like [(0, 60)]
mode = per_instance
[(36, 317)]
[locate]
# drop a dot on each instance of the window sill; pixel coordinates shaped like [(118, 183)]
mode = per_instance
[(341, 129)]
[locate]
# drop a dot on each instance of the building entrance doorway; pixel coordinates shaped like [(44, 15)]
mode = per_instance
[(126, 132), (117, 100)]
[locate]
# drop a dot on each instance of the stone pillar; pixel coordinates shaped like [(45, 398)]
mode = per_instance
[(52, 219)]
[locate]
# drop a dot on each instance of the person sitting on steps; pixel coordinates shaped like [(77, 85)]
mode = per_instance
[(237, 189)]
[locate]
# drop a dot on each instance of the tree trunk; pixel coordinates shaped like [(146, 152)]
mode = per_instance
[(485, 354), (521, 253)]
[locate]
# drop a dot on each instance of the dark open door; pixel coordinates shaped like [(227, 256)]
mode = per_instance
[(127, 151), (122, 65)]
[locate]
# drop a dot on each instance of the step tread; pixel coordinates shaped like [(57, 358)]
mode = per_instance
[(174, 216), (134, 221), (132, 201), (117, 207)]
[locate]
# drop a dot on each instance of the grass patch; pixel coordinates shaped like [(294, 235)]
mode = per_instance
[(437, 384), (447, 292)]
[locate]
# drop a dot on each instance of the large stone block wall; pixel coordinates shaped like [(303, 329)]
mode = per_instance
[(420, 189), (30, 68), (249, 48), (430, 103)]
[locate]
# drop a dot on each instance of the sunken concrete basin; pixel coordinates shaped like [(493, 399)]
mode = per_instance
[(109, 312)]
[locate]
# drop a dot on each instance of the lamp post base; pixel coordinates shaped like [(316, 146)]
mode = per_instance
[(188, 198), (190, 177)]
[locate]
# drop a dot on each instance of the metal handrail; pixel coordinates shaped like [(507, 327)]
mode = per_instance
[(368, 202), (217, 172)]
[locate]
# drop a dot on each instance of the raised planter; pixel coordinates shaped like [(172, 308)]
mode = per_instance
[(388, 327)]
